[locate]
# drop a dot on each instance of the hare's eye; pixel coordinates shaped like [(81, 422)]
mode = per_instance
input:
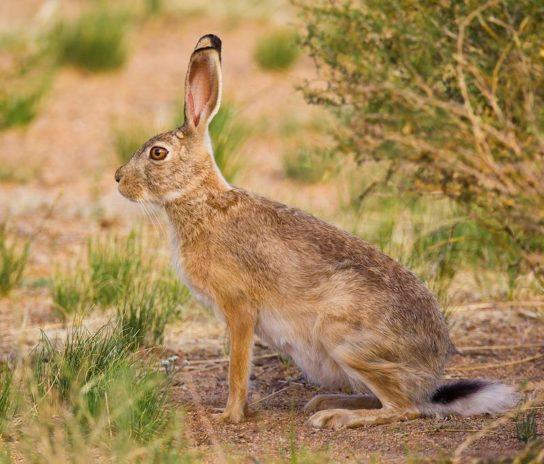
[(158, 153)]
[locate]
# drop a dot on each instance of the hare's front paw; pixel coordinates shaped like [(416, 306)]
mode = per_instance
[(233, 415)]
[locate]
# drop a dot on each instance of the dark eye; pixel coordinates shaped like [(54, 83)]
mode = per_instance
[(158, 153)]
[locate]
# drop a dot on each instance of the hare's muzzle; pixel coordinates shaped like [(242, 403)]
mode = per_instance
[(118, 175)]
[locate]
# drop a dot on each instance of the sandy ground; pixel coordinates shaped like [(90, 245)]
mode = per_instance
[(72, 196)]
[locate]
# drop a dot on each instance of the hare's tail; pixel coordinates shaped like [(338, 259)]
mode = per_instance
[(471, 397)]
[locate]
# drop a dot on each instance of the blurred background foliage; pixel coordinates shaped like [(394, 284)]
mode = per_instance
[(447, 95)]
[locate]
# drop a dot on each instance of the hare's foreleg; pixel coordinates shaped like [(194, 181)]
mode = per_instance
[(241, 327), (321, 402)]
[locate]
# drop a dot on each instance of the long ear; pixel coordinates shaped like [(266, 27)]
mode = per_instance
[(203, 83)]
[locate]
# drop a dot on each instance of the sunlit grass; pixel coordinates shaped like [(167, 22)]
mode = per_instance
[(114, 264), (71, 292), (6, 381), (277, 51), (148, 308), (154, 7)]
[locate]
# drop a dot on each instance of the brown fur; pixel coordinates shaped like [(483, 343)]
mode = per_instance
[(348, 314)]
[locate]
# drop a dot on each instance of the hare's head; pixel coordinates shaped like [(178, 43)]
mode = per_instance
[(174, 163)]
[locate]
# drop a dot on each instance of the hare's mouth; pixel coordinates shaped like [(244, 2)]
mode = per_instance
[(130, 193)]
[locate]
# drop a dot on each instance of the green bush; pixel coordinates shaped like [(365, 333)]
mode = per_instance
[(449, 94), (277, 51), (95, 41)]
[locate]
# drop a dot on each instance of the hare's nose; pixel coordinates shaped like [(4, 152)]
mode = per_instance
[(118, 175)]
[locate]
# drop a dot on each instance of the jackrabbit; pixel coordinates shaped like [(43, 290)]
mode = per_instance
[(347, 314)]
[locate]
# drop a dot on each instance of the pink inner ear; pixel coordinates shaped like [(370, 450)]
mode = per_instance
[(200, 90)]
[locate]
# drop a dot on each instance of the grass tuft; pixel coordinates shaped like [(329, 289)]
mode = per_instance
[(13, 260), (277, 51), (96, 375), (147, 310), (95, 41), (71, 293), (114, 263), (526, 427)]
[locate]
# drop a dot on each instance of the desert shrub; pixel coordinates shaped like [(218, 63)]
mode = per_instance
[(95, 41), (26, 69), (309, 164), (13, 260), (450, 94), (277, 50)]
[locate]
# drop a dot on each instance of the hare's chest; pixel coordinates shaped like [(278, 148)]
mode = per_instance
[(190, 268)]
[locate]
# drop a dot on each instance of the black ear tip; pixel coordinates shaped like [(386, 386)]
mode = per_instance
[(209, 41)]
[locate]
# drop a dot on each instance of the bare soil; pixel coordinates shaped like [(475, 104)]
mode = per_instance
[(279, 392)]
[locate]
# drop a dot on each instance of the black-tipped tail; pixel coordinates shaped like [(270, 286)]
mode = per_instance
[(472, 397)]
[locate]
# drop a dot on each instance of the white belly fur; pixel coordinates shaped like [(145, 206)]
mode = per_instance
[(307, 352)]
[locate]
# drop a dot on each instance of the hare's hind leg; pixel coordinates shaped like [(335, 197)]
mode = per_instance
[(398, 388), (345, 418), (321, 402)]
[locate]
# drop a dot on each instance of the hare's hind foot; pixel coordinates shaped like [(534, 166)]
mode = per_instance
[(321, 402), (344, 418)]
